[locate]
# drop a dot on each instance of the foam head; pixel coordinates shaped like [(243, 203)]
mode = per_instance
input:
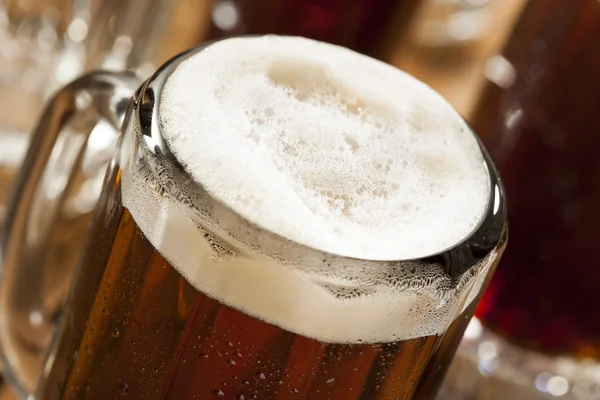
[(321, 146), (326, 147)]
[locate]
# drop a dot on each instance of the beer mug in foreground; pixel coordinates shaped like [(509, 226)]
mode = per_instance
[(283, 219)]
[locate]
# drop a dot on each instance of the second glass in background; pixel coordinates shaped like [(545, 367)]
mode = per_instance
[(539, 115), (372, 27)]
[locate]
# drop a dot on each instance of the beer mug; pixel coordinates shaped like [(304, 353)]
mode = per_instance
[(203, 275)]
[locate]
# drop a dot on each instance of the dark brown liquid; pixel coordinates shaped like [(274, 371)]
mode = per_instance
[(135, 328), (544, 132), (371, 27)]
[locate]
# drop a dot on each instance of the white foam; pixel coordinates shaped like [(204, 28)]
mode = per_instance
[(326, 147), (401, 177)]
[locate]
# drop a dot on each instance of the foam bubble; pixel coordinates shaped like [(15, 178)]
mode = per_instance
[(326, 147)]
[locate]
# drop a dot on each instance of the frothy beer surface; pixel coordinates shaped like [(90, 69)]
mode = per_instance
[(326, 147), (329, 149)]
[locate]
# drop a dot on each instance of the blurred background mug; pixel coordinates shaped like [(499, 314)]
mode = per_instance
[(537, 331)]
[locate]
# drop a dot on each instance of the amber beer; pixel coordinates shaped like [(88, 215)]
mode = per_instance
[(183, 294), (161, 338)]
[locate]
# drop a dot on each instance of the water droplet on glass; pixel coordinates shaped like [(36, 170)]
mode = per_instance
[(230, 361), (116, 332), (217, 392), (123, 389), (330, 381), (260, 375)]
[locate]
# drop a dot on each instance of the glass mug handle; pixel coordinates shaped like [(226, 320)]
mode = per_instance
[(50, 214)]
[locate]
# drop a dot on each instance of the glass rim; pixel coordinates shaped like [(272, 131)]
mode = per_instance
[(489, 234)]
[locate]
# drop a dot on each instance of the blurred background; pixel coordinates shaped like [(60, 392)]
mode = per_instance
[(503, 64)]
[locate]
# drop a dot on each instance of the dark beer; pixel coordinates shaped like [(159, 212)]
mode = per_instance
[(543, 128), (215, 290), (373, 27)]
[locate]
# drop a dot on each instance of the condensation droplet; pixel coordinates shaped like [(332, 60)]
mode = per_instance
[(123, 389)]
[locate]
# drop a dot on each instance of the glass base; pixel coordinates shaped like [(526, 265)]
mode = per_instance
[(488, 367)]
